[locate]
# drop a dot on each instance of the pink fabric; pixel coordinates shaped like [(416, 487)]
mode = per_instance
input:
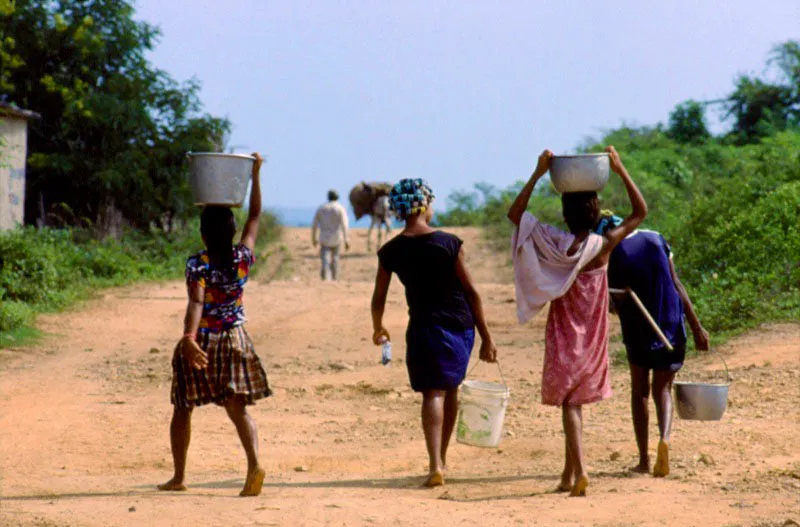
[(542, 269), (576, 343)]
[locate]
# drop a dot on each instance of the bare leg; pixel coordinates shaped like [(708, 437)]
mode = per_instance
[(248, 435), (573, 423), (640, 410), (369, 232), (180, 432), (662, 393), (450, 415), (433, 427), (568, 475)]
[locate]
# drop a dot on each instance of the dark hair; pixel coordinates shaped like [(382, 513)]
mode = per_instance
[(218, 227), (333, 195), (581, 210)]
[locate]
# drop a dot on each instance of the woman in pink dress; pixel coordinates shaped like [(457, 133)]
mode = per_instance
[(568, 269)]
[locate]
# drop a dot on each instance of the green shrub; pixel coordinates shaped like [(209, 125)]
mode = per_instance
[(14, 315), (49, 269)]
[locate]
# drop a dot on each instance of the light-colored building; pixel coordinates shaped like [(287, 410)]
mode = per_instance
[(13, 153)]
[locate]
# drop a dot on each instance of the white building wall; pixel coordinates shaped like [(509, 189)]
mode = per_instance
[(13, 152)]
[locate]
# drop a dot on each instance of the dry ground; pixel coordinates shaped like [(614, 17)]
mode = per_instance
[(84, 417)]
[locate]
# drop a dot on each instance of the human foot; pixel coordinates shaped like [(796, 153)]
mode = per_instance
[(564, 486), (566, 483), (641, 468), (580, 487), (435, 479), (174, 485), (661, 468), (254, 482)]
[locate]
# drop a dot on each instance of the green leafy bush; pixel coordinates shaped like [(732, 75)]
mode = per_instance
[(49, 269)]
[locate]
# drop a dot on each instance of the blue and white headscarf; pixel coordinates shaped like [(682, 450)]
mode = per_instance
[(409, 197), (607, 222)]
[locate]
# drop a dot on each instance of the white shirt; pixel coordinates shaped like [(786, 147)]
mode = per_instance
[(331, 220)]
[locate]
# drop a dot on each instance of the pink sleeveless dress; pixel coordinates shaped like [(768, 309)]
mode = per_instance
[(576, 343)]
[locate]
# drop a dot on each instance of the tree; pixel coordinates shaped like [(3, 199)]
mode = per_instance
[(114, 130), (687, 123), (763, 107)]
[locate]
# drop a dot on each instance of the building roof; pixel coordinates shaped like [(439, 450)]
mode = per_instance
[(12, 110)]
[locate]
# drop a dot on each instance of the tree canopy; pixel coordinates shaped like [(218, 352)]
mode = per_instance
[(114, 129)]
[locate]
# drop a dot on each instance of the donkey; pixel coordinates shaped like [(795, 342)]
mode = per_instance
[(373, 199)]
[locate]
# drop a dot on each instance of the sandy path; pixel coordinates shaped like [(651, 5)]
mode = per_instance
[(84, 417)]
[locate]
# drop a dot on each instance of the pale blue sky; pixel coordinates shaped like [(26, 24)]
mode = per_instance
[(457, 92)]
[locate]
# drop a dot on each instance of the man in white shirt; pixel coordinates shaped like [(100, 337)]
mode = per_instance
[(331, 221)]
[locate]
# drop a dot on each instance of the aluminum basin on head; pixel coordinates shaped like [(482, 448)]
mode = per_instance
[(579, 173), (219, 179)]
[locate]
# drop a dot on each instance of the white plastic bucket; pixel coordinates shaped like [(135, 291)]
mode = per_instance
[(481, 411)]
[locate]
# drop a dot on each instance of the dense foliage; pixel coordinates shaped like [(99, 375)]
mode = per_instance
[(47, 269), (114, 130), (729, 205)]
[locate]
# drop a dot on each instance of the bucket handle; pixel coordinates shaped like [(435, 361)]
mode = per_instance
[(728, 377), (727, 373), (498, 369)]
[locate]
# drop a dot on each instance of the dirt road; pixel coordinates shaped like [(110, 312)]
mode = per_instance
[(84, 421)]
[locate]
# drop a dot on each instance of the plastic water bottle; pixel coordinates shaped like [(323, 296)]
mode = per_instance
[(386, 351)]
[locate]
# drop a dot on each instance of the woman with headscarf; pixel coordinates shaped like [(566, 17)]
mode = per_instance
[(568, 270), (444, 310), (642, 262)]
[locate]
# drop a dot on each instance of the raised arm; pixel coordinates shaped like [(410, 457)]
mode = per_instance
[(701, 339), (488, 350), (382, 281), (250, 231), (520, 204), (638, 206)]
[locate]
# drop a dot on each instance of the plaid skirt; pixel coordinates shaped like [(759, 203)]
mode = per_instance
[(233, 369)]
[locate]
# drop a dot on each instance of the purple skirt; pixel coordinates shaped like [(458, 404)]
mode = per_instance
[(437, 357)]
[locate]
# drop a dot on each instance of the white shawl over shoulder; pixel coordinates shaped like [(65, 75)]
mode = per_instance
[(542, 269)]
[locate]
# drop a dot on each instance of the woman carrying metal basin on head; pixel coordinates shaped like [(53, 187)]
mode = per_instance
[(568, 271)]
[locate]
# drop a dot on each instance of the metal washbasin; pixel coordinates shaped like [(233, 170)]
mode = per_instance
[(219, 179), (579, 173)]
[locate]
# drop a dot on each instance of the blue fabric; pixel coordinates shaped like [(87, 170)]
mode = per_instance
[(606, 223), (642, 262), (437, 357)]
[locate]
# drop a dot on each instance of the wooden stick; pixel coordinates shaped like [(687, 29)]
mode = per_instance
[(646, 314)]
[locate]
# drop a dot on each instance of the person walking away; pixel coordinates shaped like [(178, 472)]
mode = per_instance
[(215, 361), (444, 310), (642, 262), (331, 222), (568, 270)]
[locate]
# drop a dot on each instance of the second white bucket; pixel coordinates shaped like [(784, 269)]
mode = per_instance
[(481, 411)]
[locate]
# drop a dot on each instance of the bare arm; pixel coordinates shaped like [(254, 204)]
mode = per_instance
[(194, 312), (250, 231), (701, 338), (382, 281), (488, 351), (633, 220), (520, 204)]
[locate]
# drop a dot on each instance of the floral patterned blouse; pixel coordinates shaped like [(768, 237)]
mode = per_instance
[(222, 305)]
